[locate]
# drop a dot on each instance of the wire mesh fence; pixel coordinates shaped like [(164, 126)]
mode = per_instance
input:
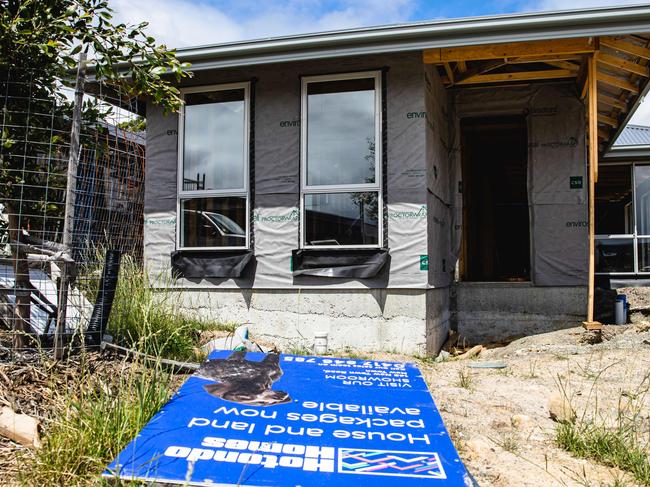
[(68, 210)]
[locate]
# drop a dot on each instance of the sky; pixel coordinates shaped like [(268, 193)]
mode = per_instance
[(180, 23)]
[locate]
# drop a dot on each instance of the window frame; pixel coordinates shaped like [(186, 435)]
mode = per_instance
[(184, 195), (634, 236), (377, 186)]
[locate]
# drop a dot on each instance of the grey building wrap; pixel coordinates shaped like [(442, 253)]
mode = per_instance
[(409, 305)]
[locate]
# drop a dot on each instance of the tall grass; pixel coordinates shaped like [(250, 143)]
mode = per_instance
[(96, 417), (625, 444), (151, 320), (98, 413)]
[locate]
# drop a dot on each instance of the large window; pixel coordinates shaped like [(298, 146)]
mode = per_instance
[(623, 219), (341, 161), (213, 171)]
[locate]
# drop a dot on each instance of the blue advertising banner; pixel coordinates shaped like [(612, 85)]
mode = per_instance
[(255, 419)]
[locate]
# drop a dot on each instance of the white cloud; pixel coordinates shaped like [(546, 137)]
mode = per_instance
[(179, 23)]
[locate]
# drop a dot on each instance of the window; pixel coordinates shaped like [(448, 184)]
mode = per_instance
[(213, 186), (623, 219), (341, 158)]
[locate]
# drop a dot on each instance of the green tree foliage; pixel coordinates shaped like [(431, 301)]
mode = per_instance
[(40, 45)]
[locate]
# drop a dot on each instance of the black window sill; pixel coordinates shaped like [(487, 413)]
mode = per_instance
[(346, 263), (206, 264)]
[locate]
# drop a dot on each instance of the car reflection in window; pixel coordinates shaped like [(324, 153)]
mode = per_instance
[(210, 229)]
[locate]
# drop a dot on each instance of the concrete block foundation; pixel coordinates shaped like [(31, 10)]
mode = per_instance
[(489, 312), (410, 321)]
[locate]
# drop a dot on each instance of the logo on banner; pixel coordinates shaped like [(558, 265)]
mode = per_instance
[(386, 462), (294, 216), (424, 262), (160, 221), (575, 182), (577, 224), (410, 115), (409, 215), (556, 144)]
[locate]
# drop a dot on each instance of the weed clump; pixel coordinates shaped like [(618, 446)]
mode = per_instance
[(149, 318), (625, 444), (95, 416)]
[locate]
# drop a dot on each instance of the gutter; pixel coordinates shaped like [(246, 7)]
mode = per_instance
[(627, 153), (422, 35)]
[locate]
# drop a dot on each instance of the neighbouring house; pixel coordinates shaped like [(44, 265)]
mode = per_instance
[(383, 185), (623, 212)]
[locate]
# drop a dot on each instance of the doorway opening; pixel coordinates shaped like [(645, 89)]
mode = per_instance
[(496, 222)]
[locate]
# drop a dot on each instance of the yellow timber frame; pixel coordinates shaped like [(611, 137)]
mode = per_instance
[(609, 72)]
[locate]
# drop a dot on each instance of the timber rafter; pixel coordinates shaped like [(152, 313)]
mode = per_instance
[(621, 69)]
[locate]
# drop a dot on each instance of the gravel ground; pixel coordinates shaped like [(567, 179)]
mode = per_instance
[(499, 419)]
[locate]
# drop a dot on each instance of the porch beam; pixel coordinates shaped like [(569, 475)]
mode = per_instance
[(479, 70), (450, 71), (564, 65), (543, 59), (581, 45), (626, 47), (519, 76)]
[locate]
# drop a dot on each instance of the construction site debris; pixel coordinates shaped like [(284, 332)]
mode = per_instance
[(487, 365), (442, 356), (472, 352), (21, 428)]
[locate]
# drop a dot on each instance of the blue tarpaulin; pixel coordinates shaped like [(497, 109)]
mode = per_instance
[(285, 420)]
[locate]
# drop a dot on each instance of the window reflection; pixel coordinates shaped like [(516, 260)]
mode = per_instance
[(643, 250), (614, 213), (614, 255), (213, 140), (341, 219), (341, 132), (642, 195), (214, 222)]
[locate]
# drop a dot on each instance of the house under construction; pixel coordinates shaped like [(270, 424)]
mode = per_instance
[(383, 185)]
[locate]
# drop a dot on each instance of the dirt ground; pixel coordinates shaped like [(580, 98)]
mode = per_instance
[(498, 418)]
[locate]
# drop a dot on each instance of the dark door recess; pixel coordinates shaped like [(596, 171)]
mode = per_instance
[(496, 231)]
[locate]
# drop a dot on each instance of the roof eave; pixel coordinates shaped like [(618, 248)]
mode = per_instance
[(414, 37), (627, 153)]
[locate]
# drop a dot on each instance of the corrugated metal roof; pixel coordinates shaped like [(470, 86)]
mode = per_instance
[(422, 35), (633, 135)]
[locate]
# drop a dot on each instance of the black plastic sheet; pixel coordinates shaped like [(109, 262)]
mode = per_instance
[(210, 263), (357, 263)]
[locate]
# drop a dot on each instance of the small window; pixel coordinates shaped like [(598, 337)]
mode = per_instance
[(341, 161), (213, 197)]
